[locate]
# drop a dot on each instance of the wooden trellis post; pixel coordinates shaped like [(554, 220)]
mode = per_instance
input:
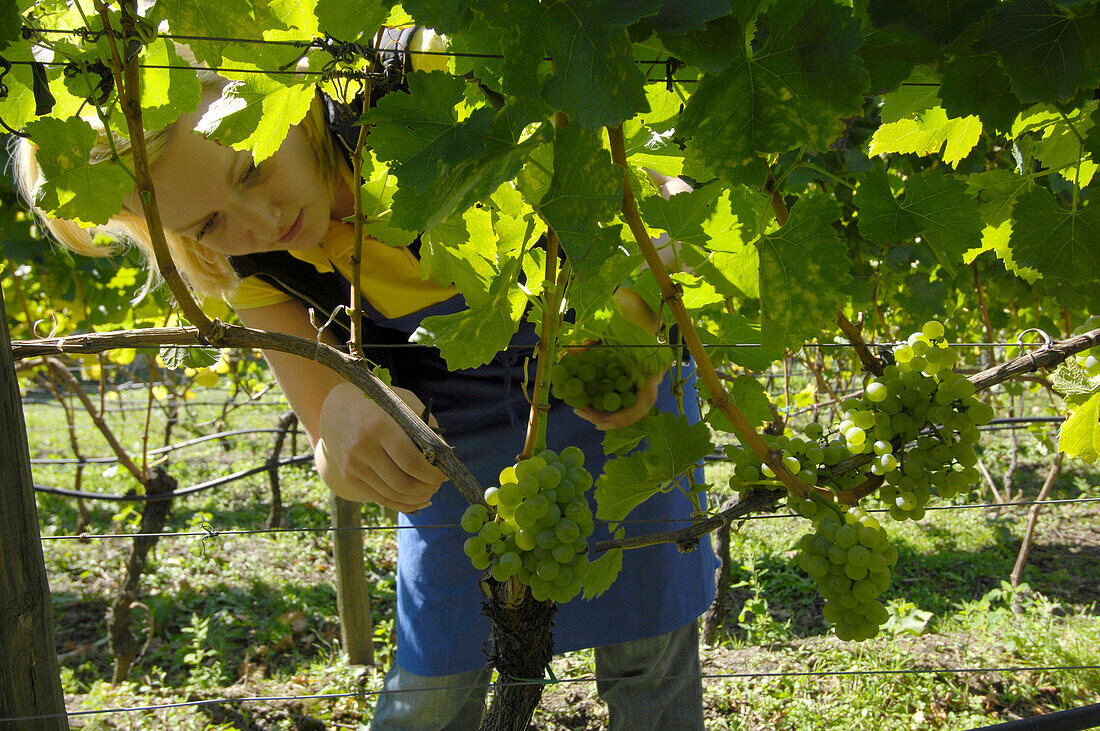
[(30, 684), (352, 589)]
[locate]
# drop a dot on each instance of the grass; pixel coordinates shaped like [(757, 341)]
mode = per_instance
[(255, 615)]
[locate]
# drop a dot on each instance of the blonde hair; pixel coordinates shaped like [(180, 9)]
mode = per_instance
[(206, 271)]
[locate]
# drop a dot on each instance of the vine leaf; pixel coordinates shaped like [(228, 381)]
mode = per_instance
[(918, 94), (420, 133), (682, 216), (18, 107), (795, 91), (803, 265), (10, 24), (1060, 147), (1045, 49), (210, 20), (443, 16), (168, 87), (935, 206), (891, 53), (602, 573), (997, 191), (586, 189), (940, 21), (74, 188), (499, 159), (482, 260), (680, 16), (355, 21), (1079, 435), (749, 395), (1062, 245), (674, 448), (260, 109), (927, 133), (594, 78), (978, 85)]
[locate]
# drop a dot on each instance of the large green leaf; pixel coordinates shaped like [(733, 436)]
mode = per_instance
[(749, 396), (680, 16), (10, 24), (891, 53), (682, 216), (586, 189), (916, 95), (997, 191), (935, 206), (18, 107), (480, 255), (941, 21), (264, 109), (795, 91), (1061, 147), (674, 448), (978, 85), (803, 265), (420, 133), (168, 88), (505, 147), (1079, 435), (444, 16), (594, 78), (602, 573), (208, 21), (927, 133), (1063, 245), (354, 21), (1046, 51), (73, 187)]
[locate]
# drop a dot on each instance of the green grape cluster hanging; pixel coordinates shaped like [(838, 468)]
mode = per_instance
[(914, 429), (541, 528), (598, 377), (850, 558)]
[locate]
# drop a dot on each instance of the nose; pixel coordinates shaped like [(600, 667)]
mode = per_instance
[(260, 217)]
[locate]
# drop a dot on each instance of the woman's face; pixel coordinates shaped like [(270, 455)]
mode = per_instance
[(217, 196)]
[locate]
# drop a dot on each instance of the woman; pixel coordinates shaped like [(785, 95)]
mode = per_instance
[(258, 235)]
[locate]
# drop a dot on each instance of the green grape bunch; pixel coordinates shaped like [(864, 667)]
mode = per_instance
[(541, 527), (849, 556), (600, 378), (926, 411)]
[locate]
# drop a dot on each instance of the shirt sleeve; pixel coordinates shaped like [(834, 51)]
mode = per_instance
[(252, 293)]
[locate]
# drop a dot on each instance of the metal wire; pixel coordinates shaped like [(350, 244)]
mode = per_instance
[(559, 681), (212, 533)]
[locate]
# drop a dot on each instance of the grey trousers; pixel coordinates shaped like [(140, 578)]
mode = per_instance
[(647, 684)]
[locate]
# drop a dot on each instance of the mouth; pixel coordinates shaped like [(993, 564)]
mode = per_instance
[(293, 230)]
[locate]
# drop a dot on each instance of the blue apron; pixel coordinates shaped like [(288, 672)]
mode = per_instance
[(483, 415)]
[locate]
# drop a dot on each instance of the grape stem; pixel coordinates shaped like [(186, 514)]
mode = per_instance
[(553, 293), (853, 332), (672, 295)]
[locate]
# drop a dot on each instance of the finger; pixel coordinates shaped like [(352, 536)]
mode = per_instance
[(374, 488), (396, 482)]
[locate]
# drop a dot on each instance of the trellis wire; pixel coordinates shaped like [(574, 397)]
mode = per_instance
[(561, 681), (213, 533)]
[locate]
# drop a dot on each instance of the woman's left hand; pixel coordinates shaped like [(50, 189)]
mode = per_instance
[(647, 397), (637, 311)]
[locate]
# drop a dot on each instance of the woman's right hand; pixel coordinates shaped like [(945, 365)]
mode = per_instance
[(364, 456)]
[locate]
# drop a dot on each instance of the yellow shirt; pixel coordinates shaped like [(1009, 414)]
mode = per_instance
[(389, 275)]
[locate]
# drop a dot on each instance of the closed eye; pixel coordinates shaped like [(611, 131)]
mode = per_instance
[(207, 227)]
